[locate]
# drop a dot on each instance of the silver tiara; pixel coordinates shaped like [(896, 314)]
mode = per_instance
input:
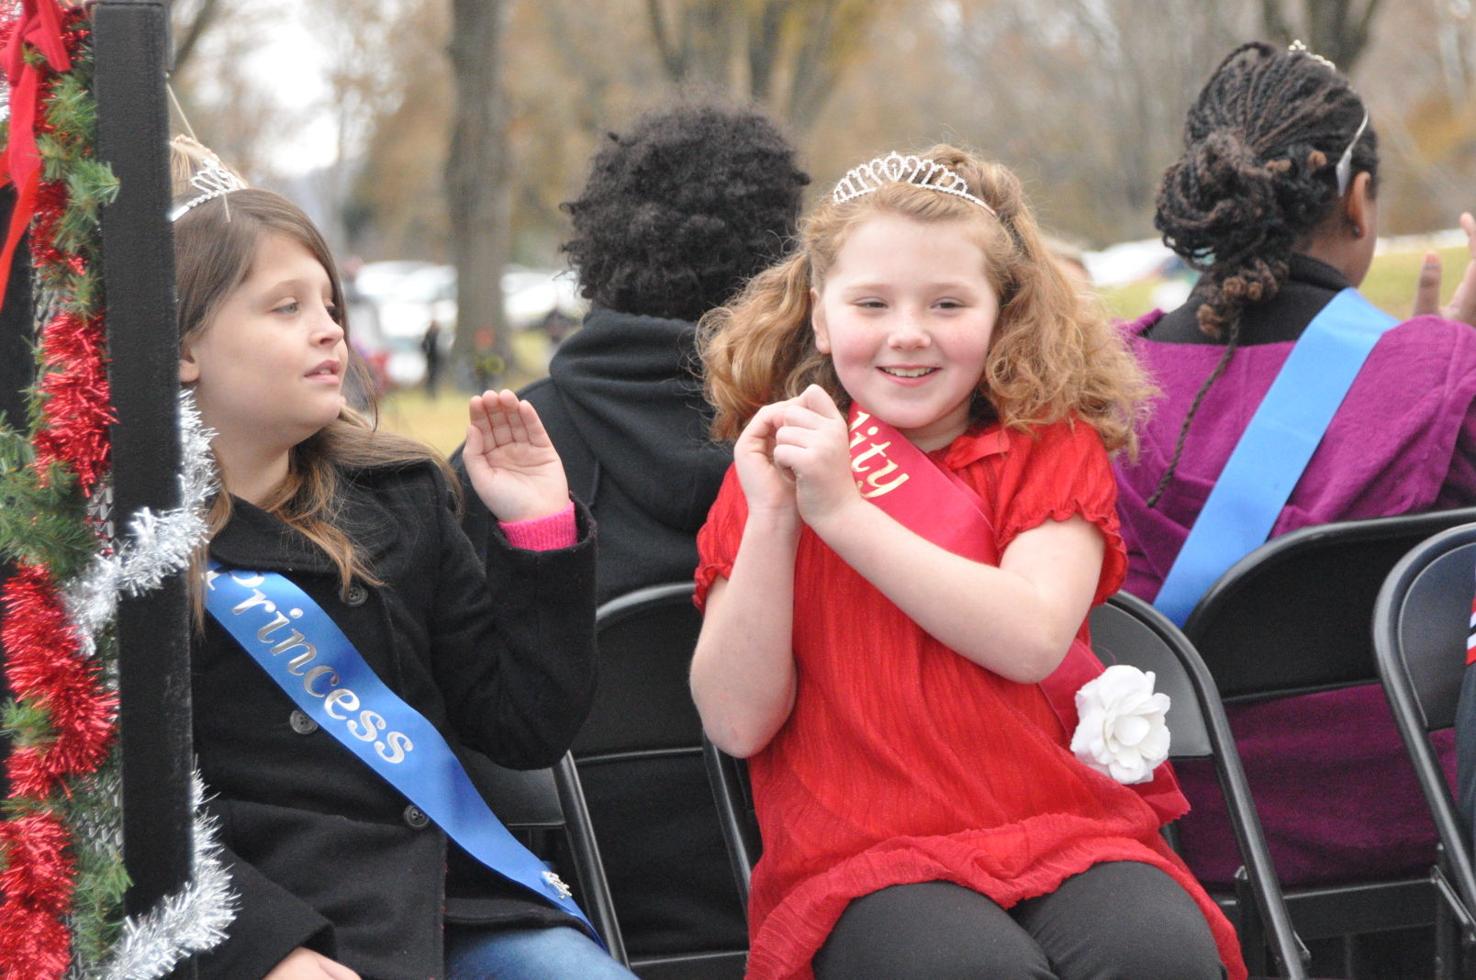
[(897, 169), (1297, 47), (212, 180)]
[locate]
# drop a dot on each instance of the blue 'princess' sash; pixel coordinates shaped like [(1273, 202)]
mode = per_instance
[(1275, 448), (318, 667)]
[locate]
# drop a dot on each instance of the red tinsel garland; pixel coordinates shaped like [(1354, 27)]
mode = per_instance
[(77, 408), (43, 661), (37, 882)]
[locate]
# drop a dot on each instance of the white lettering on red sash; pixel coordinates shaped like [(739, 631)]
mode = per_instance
[(872, 479)]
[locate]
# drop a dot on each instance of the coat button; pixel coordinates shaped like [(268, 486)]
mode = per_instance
[(415, 818), (301, 723), (356, 595)]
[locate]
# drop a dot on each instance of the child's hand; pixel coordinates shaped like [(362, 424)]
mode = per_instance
[(304, 964), (813, 444), (1462, 305), (766, 487), (510, 461)]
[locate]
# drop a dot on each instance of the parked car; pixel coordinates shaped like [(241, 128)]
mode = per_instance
[(407, 296)]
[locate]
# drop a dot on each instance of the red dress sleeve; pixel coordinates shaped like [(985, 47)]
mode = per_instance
[(717, 542), (1061, 471)]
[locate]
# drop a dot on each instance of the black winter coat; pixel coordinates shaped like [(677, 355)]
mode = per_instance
[(325, 853)]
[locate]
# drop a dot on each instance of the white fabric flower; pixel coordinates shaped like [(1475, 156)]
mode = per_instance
[(1121, 732)]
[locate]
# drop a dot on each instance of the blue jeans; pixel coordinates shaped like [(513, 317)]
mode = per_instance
[(477, 953)]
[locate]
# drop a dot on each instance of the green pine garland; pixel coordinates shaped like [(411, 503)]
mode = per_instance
[(43, 516)]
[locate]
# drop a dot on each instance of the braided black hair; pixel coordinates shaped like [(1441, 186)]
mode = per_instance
[(682, 209), (1261, 143)]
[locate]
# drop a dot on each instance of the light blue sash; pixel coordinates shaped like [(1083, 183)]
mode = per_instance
[(326, 677), (1275, 447)]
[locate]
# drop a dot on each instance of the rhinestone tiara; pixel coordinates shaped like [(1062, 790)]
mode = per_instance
[(897, 169), (1297, 47), (212, 180)]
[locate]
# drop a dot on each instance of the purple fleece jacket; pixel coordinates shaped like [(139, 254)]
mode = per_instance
[(1404, 440)]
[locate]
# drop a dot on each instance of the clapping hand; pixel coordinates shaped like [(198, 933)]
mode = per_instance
[(510, 460), (1462, 305), (812, 444), (767, 487)]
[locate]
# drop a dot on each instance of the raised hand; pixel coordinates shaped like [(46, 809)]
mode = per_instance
[(813, 445), (1462, 305), (510, 460)]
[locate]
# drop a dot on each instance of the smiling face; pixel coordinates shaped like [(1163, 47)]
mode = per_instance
[(906, 313), (268, 368)]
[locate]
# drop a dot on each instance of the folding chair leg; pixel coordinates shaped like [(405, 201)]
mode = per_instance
[(1252, 930), (1447, 945)]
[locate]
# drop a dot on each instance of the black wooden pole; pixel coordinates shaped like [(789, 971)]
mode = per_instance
[(138, 277), (17, 374)]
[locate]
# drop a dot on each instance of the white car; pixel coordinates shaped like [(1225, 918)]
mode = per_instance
[(408, 296)]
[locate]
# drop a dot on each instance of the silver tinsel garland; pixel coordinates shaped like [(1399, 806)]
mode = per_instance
[(190, 921), (155, 547)]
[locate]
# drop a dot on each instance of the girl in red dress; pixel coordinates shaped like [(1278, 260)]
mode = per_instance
[(890, 670)]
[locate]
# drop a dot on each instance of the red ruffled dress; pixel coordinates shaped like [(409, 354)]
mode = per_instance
[(904, 762)]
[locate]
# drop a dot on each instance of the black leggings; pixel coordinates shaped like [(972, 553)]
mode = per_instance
[(1120, 919)]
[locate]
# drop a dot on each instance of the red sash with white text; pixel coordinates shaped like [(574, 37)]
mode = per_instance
[(937, 505)]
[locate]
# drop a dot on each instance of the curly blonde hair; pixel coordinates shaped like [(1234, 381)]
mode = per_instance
[(1054, 354)]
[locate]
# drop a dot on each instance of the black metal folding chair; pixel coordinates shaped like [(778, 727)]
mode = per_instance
[(541, 800), (640, 752), (1124, 630), (1292, 618), (1419, 629)]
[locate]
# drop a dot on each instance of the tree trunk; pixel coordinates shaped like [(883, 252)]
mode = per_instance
[(1339, 30), (476, 188)]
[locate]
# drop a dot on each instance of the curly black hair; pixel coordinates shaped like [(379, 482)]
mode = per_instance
[(682, 209), (1261, 145)]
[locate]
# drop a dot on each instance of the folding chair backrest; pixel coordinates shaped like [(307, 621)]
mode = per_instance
[(1123, 634), (1293, 614), (1419, 628), (1427, 605), (643, 701)]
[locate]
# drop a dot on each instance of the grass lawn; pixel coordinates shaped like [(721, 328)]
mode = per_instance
[(441, 421), (1390, 284)]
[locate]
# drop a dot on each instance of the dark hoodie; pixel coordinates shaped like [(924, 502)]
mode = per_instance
[(623, 405)]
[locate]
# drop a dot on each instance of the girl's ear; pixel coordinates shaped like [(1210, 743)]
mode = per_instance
[(189, 370), (817, 323), (1358, 205)]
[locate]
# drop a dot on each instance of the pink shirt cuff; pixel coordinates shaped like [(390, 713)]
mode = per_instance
[(542, 533)]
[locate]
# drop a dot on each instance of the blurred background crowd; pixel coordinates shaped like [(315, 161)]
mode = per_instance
[(434, 140)]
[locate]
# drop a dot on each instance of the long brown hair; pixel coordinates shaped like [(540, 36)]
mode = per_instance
[(215, 244), (1054, 354)]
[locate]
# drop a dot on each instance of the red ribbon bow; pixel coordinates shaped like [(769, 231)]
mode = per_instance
[(39, 25)]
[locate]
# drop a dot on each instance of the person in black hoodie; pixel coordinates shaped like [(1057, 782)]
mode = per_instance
[(678, 212)]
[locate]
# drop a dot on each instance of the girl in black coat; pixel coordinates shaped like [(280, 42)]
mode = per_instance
[(340, 875)]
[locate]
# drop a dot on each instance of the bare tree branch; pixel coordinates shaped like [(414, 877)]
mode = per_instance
[(189, 28)]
